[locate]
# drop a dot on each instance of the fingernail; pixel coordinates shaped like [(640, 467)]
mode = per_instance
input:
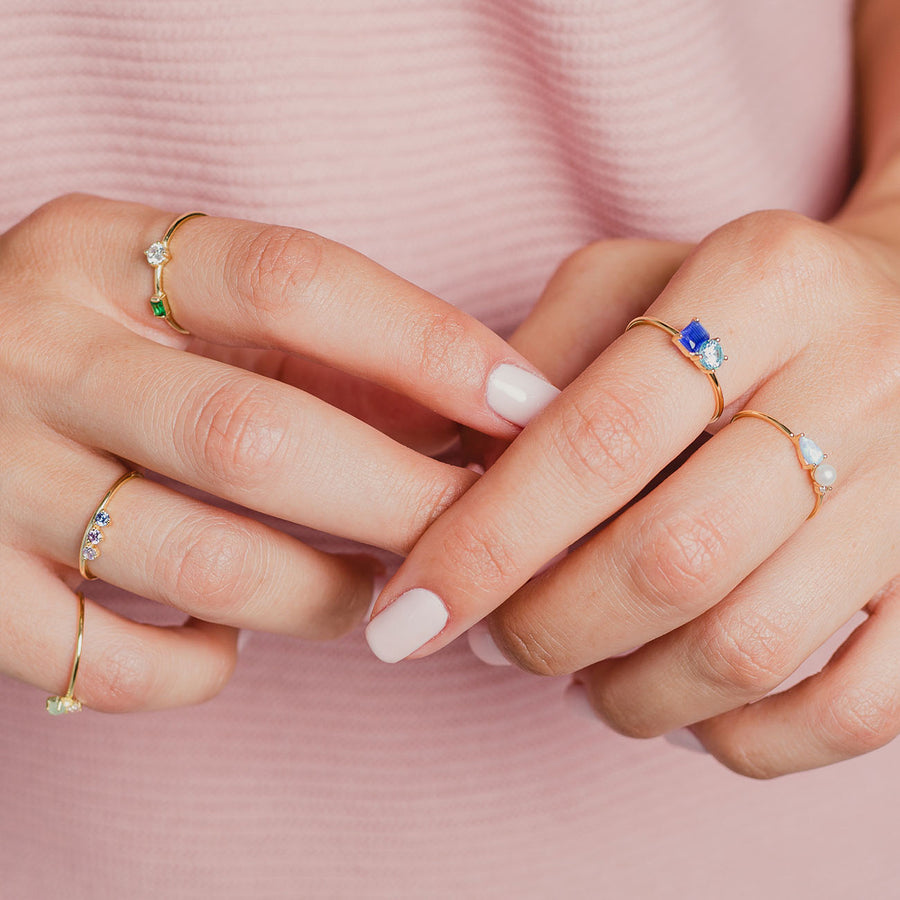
[(482, 645), (684, 737), (477, 468), (413, 619), (518, 395), (378, 584), (575, 697), (243, 639)]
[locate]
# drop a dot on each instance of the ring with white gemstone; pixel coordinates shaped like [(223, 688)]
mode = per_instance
[(67, 703), (158, 255), (822, 474), (93, 532), (695, 343)]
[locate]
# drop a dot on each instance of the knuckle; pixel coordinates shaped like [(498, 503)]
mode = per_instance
[(211, 568), (735, 756), (532, 647), (482, 551), (274, 267), (746, 652), (599, 441), (780, 247), (442, 348), (863, 717), (122, 679), (678, 559), (234, 432), (34, 245)]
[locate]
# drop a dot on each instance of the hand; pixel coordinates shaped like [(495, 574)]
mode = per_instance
[(715, 575), (89, 378)]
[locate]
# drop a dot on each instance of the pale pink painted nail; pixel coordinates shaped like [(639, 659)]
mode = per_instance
[(412, 620), (477, 468), (518, 395), (243, 639), (575, 698), (378, 584), (482, 645), (684, 737)]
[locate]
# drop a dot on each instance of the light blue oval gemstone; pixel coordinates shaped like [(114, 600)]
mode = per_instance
[(810, 451), (710, 355)]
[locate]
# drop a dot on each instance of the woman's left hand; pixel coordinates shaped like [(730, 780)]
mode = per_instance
[(715, 574)]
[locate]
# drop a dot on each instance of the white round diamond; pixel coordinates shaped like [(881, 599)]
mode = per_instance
[(157, 254)]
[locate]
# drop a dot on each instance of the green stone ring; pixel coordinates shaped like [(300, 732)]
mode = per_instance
[(158, 255)]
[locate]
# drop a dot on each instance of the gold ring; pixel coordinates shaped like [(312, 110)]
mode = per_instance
[(695, 343), (158, 255), (93, 531), (811, 457), (56, 706)]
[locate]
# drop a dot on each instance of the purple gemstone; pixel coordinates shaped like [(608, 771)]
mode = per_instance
[(693, 335), (89, 553), (94, 536), (102, 518)]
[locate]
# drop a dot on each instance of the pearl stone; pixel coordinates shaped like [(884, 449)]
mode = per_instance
[(825, 474)]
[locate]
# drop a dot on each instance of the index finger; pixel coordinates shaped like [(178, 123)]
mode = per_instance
[(591, 451), (245, 284)]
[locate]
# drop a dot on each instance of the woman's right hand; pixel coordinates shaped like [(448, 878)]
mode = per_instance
[(93, 385)]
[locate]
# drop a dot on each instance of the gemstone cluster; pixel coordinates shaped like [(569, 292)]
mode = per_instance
[(694, 341), (812, 458), (90, 549), (57, 706)]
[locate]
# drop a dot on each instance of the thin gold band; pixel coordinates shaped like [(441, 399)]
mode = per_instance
[(67, 703), (811, 467), (675, 334), (158, 256), (93, 531)]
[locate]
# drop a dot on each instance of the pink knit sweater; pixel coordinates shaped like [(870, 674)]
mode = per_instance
[(470, 145)]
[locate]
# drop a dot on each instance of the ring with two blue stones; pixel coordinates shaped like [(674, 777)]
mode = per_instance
[(695, 343)]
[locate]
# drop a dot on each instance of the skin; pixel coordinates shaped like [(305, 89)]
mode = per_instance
[(312, 388), (714, 572)]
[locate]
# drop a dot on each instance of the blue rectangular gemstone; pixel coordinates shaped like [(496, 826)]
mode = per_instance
[(693, 335)]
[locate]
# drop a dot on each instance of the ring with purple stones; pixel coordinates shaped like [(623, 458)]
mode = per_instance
[(93, 532), (811, 457), (158, 255), (695, 343)]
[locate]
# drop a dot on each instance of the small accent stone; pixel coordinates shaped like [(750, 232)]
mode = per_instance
[(825, 475), (157, 254), (158, 307), (56, 706), (94, 536), (810, 451), (693, 336), (89, 553), (710, 355), (102, 518)]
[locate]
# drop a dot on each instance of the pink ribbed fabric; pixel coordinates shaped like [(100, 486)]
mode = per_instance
[(469, 145)]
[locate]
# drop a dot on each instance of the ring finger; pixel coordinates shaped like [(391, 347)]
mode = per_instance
[(125, 666), (209, 562)]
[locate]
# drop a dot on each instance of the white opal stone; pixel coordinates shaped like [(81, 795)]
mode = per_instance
[(810, 451), (825, 475)]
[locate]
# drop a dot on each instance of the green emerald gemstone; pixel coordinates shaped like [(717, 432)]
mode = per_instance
[(158, 307)]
